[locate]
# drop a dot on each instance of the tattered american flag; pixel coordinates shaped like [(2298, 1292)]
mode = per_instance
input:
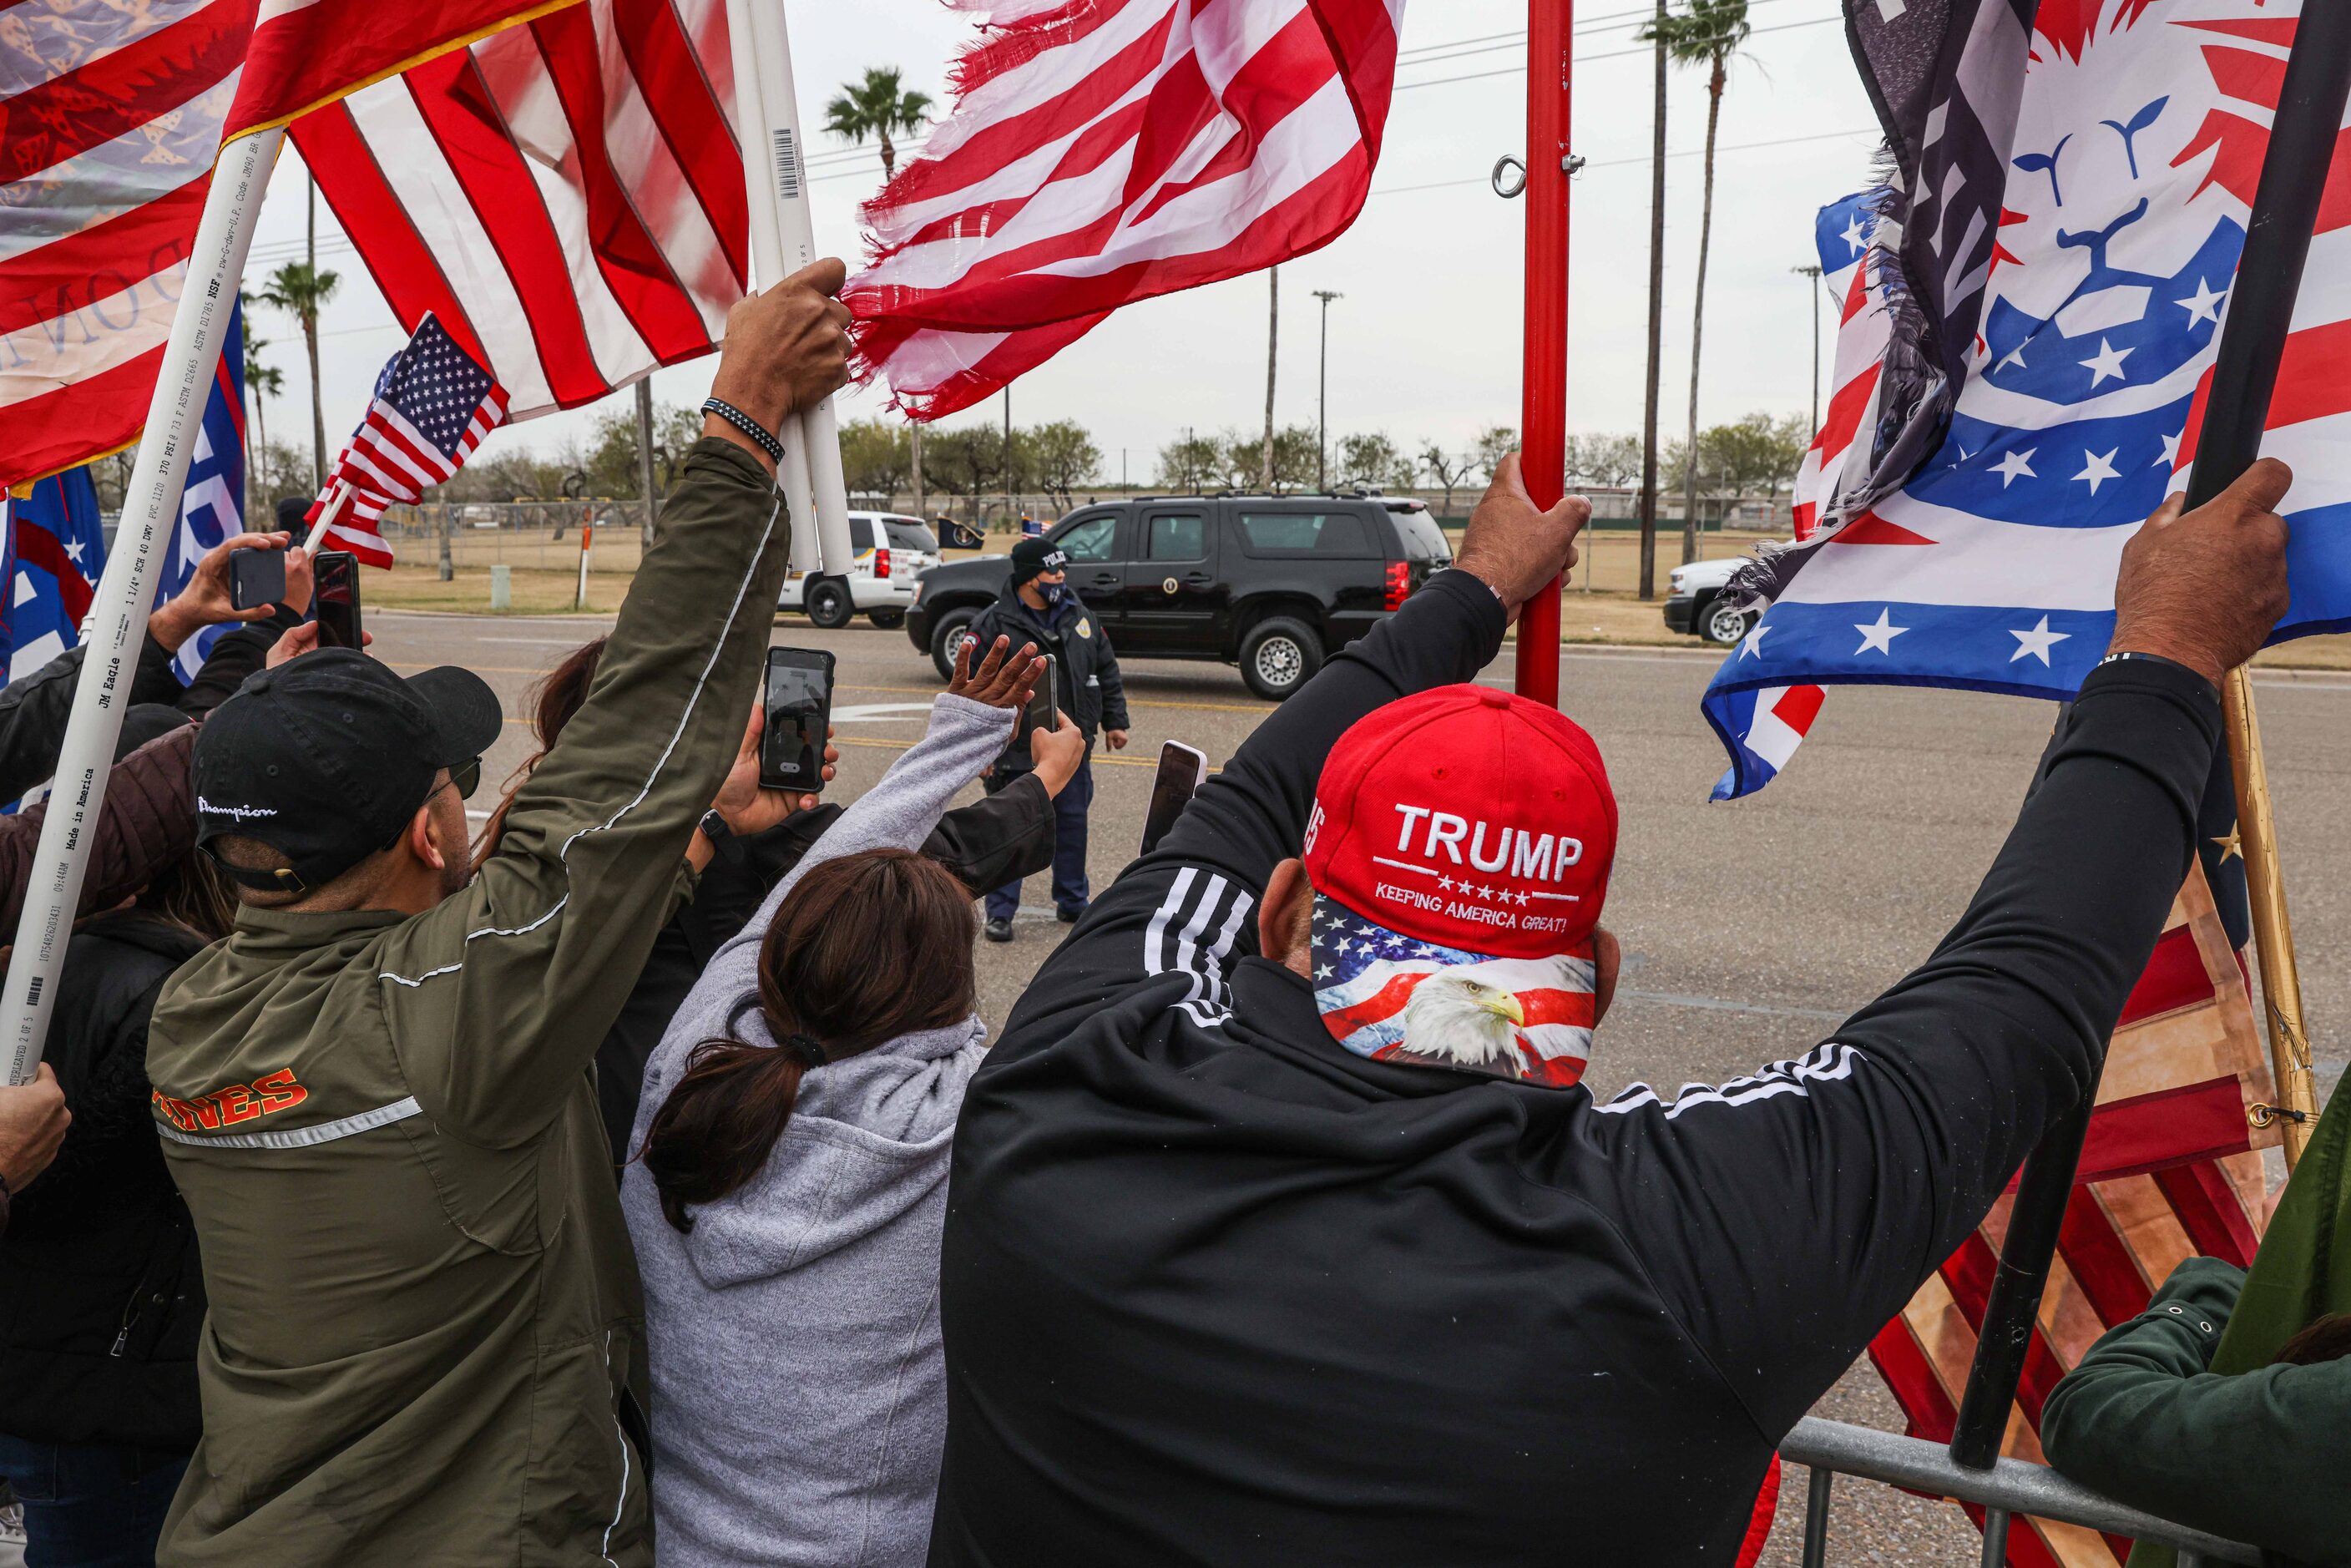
[(433, 405), (2171, 1170), (566, 197), (1103, 152)]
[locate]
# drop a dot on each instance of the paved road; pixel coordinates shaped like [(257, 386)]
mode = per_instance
[(1749, 930)]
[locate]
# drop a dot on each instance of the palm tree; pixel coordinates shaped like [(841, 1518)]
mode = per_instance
[(261, 384), (1707, 33), (876, 108), (300, 290)]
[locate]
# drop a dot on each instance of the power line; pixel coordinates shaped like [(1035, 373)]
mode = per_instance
[(1611, 55), (1643, 158)]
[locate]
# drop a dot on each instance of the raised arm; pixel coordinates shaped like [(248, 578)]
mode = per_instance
[(1188, 905), (499, 997), (1788, 1214)]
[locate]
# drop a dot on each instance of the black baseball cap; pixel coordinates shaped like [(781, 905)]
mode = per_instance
[(326, 758), (1030, 556)]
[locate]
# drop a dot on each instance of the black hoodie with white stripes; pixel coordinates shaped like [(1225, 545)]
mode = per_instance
[(1215, 1290)]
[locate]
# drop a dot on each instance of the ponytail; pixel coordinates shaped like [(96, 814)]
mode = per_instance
[(717, 1126), (866, 948)]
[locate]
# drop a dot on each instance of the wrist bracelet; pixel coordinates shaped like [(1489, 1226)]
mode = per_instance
[(751, 427), (2135, 657)]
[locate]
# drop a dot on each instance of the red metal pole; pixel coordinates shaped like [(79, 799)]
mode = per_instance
[(1542, 409)]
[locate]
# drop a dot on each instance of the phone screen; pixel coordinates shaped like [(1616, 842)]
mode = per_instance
[(1181, 770), (335, 595), (800, 702)]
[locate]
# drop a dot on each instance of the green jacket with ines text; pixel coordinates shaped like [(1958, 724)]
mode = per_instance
[(425, 1332)]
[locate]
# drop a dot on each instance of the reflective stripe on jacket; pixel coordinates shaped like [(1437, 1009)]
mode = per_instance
[(425, 1324)]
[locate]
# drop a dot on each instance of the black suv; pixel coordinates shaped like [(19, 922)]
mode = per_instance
[(1270, 583)]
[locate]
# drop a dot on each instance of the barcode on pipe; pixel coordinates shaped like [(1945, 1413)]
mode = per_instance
[(788, 165)]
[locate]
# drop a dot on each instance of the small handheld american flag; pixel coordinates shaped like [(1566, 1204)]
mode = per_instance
[(433, 405)]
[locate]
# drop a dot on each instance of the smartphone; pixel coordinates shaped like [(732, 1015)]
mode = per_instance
[(335, 596), (799, 705), (256, 579), (1181, 770), (1042, 711)]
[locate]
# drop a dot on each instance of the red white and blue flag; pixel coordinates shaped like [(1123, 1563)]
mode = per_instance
[(433, 405), (54, 553), (2137, 140), (212, 503), (1390, 997), (1108, 151)]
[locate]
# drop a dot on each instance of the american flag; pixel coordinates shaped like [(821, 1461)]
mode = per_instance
[(1106, 152), (1366, 977), (111, 115), (566, 197), (433, 405)]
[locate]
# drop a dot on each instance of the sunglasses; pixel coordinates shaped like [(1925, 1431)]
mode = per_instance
[(465, 777)]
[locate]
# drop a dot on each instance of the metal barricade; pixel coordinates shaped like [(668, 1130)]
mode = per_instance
[(2012, 1486)]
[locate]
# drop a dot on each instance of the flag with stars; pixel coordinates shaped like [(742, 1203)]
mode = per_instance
[(433, 405), (2139, 139), (1394, 997), (54, 554)]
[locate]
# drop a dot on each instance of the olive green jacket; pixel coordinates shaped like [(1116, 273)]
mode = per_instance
[(2263, 1457), (425, 1331)]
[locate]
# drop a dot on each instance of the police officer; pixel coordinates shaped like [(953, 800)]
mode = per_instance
[(1038, 607)]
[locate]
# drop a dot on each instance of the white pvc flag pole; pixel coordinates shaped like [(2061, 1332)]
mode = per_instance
[(784, 204), (126, 590), (761, 179)]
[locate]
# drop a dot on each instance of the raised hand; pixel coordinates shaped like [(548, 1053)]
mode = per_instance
[(1001, 679), (2204, 588), (1515, 547)]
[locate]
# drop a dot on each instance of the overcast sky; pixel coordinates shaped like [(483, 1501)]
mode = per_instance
[(1425, 343)]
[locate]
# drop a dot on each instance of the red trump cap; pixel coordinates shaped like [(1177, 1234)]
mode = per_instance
[(1468, 816), (1459, 849)]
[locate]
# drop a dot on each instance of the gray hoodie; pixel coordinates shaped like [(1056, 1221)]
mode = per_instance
[(799, 1392)]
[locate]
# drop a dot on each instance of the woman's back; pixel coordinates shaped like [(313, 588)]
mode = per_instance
[(790, 1188), (799, 1397)]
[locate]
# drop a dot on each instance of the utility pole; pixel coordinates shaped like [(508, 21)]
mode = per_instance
[(1814, 274), (1011, 511), (1656, 319), (1272, 336), (914, 432), (1322, 395), (645, 453)]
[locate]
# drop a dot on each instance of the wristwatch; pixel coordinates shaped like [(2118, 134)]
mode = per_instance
[(714, 828)]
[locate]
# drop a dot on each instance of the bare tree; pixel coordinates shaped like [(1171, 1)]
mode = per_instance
[(1445, 470)]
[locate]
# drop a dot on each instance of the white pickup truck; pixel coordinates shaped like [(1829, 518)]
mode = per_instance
[(1694, 604)]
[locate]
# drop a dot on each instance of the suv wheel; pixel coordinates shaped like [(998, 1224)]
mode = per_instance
[(888, 620), (1725, 622), (948, 638), (828, 604), (1279, 655)]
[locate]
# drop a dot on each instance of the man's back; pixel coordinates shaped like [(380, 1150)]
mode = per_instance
[(425, 1332), (1290, 1306), (398, 1311)]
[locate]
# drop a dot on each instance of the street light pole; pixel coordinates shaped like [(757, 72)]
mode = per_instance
[(1813, 273), (1322, 395)]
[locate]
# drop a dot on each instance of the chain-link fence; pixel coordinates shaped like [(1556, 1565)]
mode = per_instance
[(531, 536)]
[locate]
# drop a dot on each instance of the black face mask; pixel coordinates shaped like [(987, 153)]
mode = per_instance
[(1053, 593)]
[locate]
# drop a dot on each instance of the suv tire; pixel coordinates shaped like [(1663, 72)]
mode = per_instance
[(1722, 622), (947, 639), (1279, 655), (828, 604), (888, 620)]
